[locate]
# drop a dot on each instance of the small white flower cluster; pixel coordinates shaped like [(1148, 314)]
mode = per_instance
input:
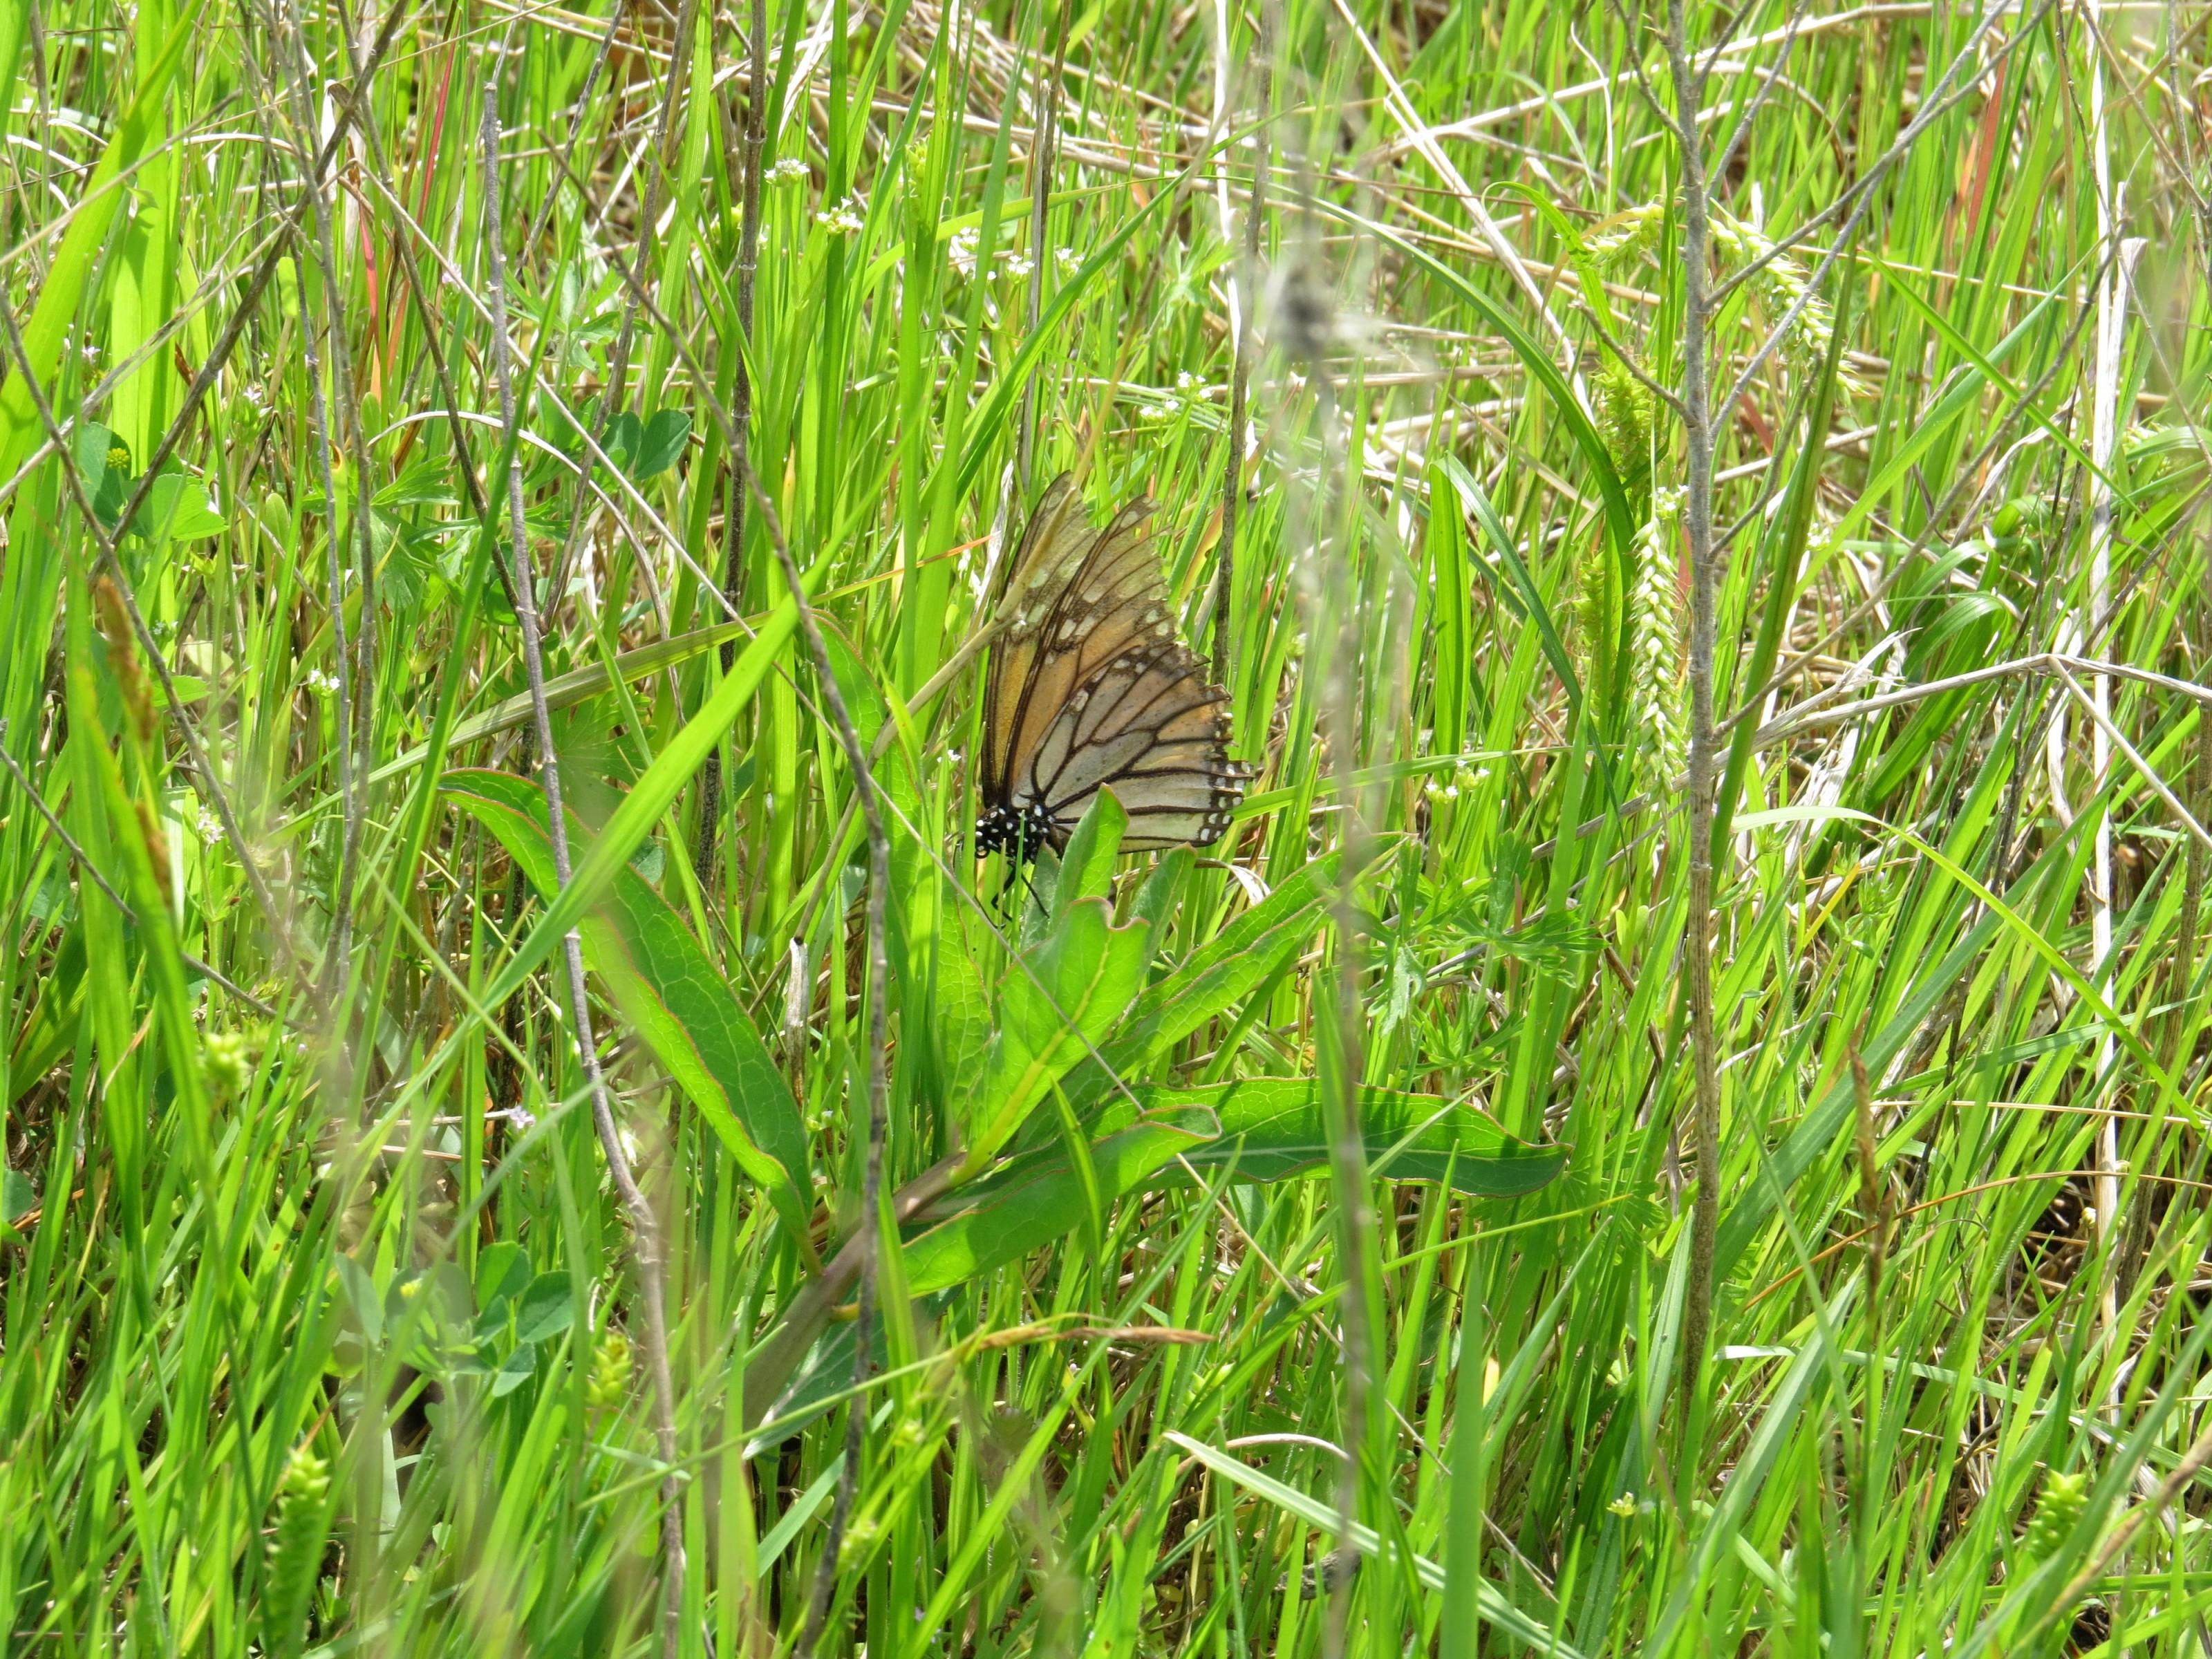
[(849, 215), (1463, 779), (964, 252), (322, 683), (961, 251), (205, 825), (789, 170), (1658, 622), (1190, 388)]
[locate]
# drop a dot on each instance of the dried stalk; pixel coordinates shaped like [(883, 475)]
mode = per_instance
[(1697, 525), (872, 1178), (1040, 156), (651, 1258), (741, 415), (1240, 373), (656, 200), (354, 658), (2096, 602), (1303, 324)]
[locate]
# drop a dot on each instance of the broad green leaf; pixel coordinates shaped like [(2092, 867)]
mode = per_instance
[(545, 1309), (1273, 1127), (363, 1297), (668, 990), (1269, 1128), (863, 702), (1237, 957), (502, 1274), (622, 438), (518, 1369), (1086, 866), (660, 444), (17, 1195), (1058, 1003), (1040, 1198), (177, 509), (1230, 966), (963, 1010), (103, 462)]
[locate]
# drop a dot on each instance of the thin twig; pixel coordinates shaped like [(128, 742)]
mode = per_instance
[(879, 991), (656, 199), (2110, 730), (1698, 524), (739, 435), (1040, 166), (353, 657), (2096, 601), (1304, 323), (1240, 374), (651, 1258)]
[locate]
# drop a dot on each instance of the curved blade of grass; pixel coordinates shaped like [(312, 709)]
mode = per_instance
[(1531, 600), (1620, 523), (648, 802), (62, 294), (578, 685), (1489, 1600)]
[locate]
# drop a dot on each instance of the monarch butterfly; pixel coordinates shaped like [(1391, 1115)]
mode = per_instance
[(1090, 688)]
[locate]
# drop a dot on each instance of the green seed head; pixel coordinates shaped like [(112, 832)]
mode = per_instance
[(2057, 1512), (1624, 409), (611, 1372), (228, 1059)]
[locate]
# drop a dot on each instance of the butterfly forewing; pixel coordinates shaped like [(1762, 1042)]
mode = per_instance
[(1092, 690), (1051, 549)]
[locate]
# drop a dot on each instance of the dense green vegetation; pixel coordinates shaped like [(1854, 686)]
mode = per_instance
[(1674, 1121)]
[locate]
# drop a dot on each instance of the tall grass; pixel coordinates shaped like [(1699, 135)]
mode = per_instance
[(1793, 818)]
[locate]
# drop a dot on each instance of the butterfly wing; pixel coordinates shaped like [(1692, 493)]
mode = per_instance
[(1109, 600), (1148, 725), (1090, 688), (1052, 548)]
